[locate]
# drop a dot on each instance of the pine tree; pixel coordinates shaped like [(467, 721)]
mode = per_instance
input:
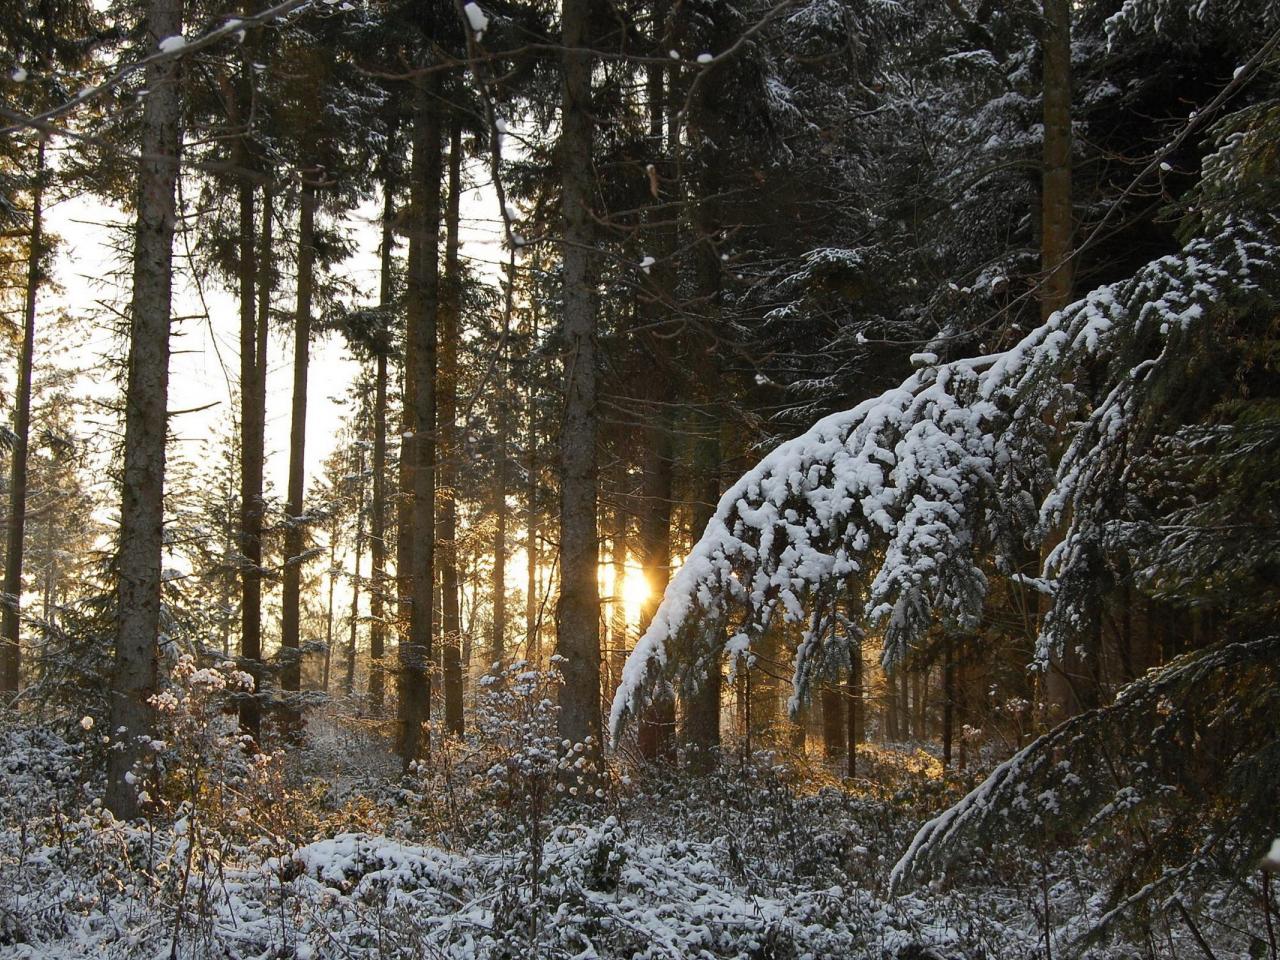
[(142, 507), (578, 608)]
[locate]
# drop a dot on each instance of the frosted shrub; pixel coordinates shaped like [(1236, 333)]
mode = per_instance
[(199, 760)]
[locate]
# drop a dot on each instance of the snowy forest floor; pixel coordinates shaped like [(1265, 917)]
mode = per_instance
[(466, 859)]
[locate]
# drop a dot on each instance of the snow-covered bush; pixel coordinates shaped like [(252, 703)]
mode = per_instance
[(746, 863)]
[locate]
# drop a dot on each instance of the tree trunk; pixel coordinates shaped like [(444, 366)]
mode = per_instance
[(948, 703), (619, 641), (854, 710), (377, 520), (702, 719), (918, 686), (834, 728), (422, 303), (891, 705), (655, 736), (328, 619), (146, 421), (799, 729), (10, 619), (295, 507), (578, 609), (447, 445), (254, 292), (765, 705), (904, 703), (497, 642), (703, 710), (1056, 221), (532, 598), (1056, 232), (349, 681)]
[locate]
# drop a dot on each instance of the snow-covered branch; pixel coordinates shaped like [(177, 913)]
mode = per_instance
[(894, 501)]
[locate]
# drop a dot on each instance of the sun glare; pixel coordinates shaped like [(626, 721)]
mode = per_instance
[(635, 591)]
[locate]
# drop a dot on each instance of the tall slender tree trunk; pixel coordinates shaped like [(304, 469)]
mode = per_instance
[(703, 712), (349, 681), (328, 619), (834, 729), (226, 578), (854, 708), (404, 527), (252, 274), (378, 509), (1056, 244), (418, 458), (532, 609), (1056, 220), (619, 640), (655, 736), (11, 619), (904, 703), (919, 686), (295, 507), (448, 450), (948, 703), (498, 638), (891, 705), (702, 721), (578, 609), (146, 398)]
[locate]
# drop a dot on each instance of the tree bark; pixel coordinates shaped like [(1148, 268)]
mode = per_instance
[(146, 421), (948, 703), (1056, 220), (834, 729), (891, 705), (254, 292), (418, 460), (377, 519), (498, 638), (295, 508), (349, 681), (447, 445), (904, 703), (532, 609), (854, 709), (619, 641), (578, 609), (919, 683), (703, 710), (252, 452), (655, 736), (702, 721), (11, 619), (328, 620)]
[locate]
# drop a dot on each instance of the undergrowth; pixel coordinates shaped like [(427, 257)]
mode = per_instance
[(479, 853)]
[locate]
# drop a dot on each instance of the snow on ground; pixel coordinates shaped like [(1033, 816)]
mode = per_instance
[(742, 865)]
